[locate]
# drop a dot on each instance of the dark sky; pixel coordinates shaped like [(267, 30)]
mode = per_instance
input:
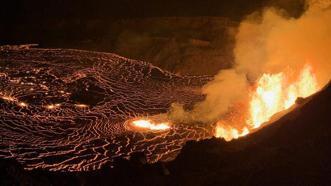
[(47, 21), (21, 10)]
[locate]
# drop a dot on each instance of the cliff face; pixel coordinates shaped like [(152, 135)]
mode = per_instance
[(186, 45), (196, 45), (187, 37)]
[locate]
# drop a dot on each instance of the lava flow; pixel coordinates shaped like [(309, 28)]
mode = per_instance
[(274, 93)]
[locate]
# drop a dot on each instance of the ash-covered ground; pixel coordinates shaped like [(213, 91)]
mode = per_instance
[(66, 109)]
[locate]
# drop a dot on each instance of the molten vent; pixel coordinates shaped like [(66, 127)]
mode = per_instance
[(151, 124), (273, 93)]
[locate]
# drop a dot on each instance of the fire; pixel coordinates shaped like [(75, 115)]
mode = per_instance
[(274, 93), (150, 125)]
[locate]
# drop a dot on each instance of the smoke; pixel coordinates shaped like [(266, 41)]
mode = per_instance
[(267, 42), (227, 87), (272, 43)]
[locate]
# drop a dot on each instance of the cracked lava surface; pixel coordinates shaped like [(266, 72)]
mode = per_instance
[(66, 110)]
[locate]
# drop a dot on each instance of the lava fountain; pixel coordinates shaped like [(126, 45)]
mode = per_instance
[(273, 93)]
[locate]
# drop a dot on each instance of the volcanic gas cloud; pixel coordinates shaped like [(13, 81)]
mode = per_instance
[(277, 60)]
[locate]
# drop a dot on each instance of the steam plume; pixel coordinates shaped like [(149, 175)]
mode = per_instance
[(267, 43)]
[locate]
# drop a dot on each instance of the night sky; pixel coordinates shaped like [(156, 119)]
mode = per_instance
[(21, 11)]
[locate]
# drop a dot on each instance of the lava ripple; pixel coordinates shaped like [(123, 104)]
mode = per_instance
[(63, 109)]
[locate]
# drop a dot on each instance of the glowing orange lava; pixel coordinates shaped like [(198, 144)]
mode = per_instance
[(274, 93), (53, 106), (146, 124), (81, 105), (229, 133), (9, 98), (22, 104)]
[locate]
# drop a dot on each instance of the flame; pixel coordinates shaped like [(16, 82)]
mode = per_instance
[(146, 124), (274, 93)]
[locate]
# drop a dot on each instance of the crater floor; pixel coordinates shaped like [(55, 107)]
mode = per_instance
[(65, 110)]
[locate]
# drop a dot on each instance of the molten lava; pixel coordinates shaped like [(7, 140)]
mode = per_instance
[(149, 125), (274, 93), (229, 133)]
